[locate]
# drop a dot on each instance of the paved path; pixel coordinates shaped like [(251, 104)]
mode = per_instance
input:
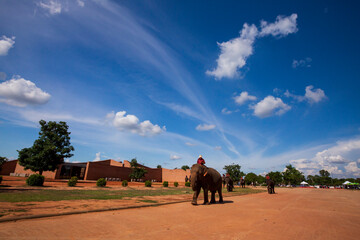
[(289, 214)]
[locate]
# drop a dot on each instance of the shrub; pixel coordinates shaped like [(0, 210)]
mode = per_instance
[(187, 184), (147, 183), (176, 184), (124, 183), (166, 184), (35, 180), (72, 181), (101, 182), (0, 179)]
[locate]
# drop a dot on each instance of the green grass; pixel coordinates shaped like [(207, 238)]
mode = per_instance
[(59, 195), (40, 195)]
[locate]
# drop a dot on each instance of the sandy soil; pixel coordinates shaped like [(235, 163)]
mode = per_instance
[(289, 214)]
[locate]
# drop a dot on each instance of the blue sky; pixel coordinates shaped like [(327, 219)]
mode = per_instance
[(255, 83)]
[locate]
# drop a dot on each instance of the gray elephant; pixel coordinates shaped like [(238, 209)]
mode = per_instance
[(209, 180)]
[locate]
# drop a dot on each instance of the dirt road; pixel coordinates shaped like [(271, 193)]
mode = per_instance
[(289, 214)]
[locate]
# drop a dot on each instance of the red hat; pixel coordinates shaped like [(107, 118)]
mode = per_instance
[(267, 177)]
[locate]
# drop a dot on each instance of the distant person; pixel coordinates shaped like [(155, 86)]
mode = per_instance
[(186, 179), (223, 180), (200, 160)]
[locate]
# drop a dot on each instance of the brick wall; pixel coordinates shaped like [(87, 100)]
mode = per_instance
[(96, 170), (8, 167), (175, 175), (20, 170), (154, 174)]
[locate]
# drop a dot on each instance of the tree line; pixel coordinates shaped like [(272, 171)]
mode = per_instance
[(291, 176)]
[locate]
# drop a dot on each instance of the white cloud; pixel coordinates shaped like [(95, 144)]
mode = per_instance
[(226, 111), (353, 168), (331, 159), (174, 157), (21, 92), (243, 97), (234, 53), (302, 63), (54, 7), (270, 106), (5, 45), (131, 123), (190, 144), (314, 96), (205, 127), (310, 96), (97, 157), (217, 148), (80, 3), (283, 26)]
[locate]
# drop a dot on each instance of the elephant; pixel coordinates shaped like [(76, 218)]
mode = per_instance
[(242, 183), (209, 180), (270, 186), (229, 184)]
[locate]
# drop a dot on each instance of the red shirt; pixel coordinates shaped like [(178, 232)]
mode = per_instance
[(201, 161)]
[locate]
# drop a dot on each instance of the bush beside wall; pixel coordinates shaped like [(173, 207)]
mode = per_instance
[(35, 180)]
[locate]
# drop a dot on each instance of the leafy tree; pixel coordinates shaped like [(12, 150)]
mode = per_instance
[(137, 171), (260, 179), (292, 175), (324, 173), (325, 178), (234, 171), (250, 178), (185, 167), (2, 161), (158, 166), (310, 180), (49, 150), (277, 177)]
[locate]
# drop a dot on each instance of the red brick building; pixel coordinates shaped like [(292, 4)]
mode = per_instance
[(110, 169)]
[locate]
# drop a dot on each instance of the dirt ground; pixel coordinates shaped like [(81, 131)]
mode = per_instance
[(289, 214)]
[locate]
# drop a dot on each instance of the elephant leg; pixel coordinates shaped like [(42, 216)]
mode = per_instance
[(220, 195), (213, 197), (195, 196), (206, 196)]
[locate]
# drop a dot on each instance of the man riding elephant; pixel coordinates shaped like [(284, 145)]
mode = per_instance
[(209, 180), (270, 185), (242, 182)]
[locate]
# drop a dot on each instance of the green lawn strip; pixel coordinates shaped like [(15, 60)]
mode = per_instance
[(59, 195), (41, 195)]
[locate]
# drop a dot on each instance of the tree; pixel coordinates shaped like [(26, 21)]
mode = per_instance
[(185, 167), (292, 175), (137, 171), (49, 150), (325, 178), (324, 173), (250, 178), (260, 179), (276, 177), (2, 161), (234, 171), (158, 166)]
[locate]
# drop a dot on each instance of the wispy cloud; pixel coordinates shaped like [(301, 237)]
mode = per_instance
[(205, 127), (302, 62), (311, 95), (52, 6)]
